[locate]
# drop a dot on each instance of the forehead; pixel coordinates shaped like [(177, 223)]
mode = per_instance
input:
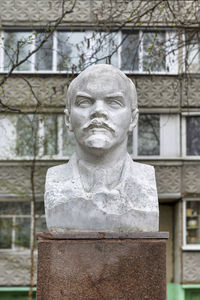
[(101, 82)]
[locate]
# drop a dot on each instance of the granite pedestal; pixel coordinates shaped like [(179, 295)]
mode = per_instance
[(97, 266)]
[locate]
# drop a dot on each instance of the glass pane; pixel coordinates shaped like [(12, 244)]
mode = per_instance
[(39, 208), (68, 141), (41, 224), (17, 46), (44, 56), (192, 52), (27, 132), (193, 222), (70, 51), (154, 56), (22, 232), (50, 135), (14, 208), (104, 48), (149, 135), (193, 135), (5, 233), (130, 51)]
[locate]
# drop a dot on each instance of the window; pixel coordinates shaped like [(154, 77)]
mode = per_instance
[(157, 135), (27, 131), (72, 51), (192, 224), (149, 135), (148, 51), (44, 56), (45, 136), (25, 136), (17, 46), (190, 134), (192, 52), (193, 135), (15, 224)]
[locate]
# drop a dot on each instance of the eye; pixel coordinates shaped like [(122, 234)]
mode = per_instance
[(115, 103), (83, 102)]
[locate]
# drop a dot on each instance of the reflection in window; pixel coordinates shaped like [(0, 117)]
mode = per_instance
[(193, 222), (22, 232), (5, 233), (154, 56), (130, 51), (27, 135), (50, 135), (149, 135), (193, 135), (44, 56), (104, 48), (17, 46), (145, 52), (70, 50), (192, 52), (15, 222)]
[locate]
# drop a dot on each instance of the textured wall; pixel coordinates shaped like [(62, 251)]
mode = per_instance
[(191, 91), (170, 179), (88, 11), (50, 90), (17, 180), (191, 267), (15, 268)]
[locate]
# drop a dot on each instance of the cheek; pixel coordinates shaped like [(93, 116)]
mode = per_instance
[(122, 121), (75, 119)]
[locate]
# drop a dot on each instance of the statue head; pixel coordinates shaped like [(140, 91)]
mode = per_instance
[(101, 107)]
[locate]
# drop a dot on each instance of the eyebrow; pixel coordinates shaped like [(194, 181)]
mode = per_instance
[(119, 94), (114, 96), (83, 94)]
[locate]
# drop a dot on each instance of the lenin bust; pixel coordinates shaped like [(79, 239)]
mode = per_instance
[(101, 188)]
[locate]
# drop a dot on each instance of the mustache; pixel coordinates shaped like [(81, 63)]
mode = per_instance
[(98, 123)]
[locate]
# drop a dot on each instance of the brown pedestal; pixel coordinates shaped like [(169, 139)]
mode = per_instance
[(103, 266)]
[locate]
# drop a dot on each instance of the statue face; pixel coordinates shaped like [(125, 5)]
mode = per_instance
[(100, 114)]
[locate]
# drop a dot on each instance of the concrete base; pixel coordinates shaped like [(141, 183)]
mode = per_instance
[(98, 266)]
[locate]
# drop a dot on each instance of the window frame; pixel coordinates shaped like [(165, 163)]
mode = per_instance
[(186, 246), (184, 135), (164, 145), (173, 70), (41, 137), (186, 69), (166, 151), (14, 247)]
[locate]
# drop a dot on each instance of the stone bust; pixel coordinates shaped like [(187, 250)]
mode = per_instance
[(101, 188)]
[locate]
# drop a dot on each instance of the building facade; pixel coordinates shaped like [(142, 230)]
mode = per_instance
[(33, 136)]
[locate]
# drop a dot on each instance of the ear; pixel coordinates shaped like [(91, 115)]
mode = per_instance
[(67, 119), (134, 120)]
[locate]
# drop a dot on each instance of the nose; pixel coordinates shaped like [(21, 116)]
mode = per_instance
[(99, 110)]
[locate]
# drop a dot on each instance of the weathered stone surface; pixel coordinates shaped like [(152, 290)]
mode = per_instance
[(102, 266), (101, 188)]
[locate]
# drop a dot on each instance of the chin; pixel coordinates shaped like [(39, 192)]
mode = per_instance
[(98, 142)]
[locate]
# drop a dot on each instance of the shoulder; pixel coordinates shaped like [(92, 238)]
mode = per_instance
[(57, 171), (148, 169), (139, 168), (61, 172)]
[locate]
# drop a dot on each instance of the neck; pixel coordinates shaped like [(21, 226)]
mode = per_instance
[(101, 156)]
